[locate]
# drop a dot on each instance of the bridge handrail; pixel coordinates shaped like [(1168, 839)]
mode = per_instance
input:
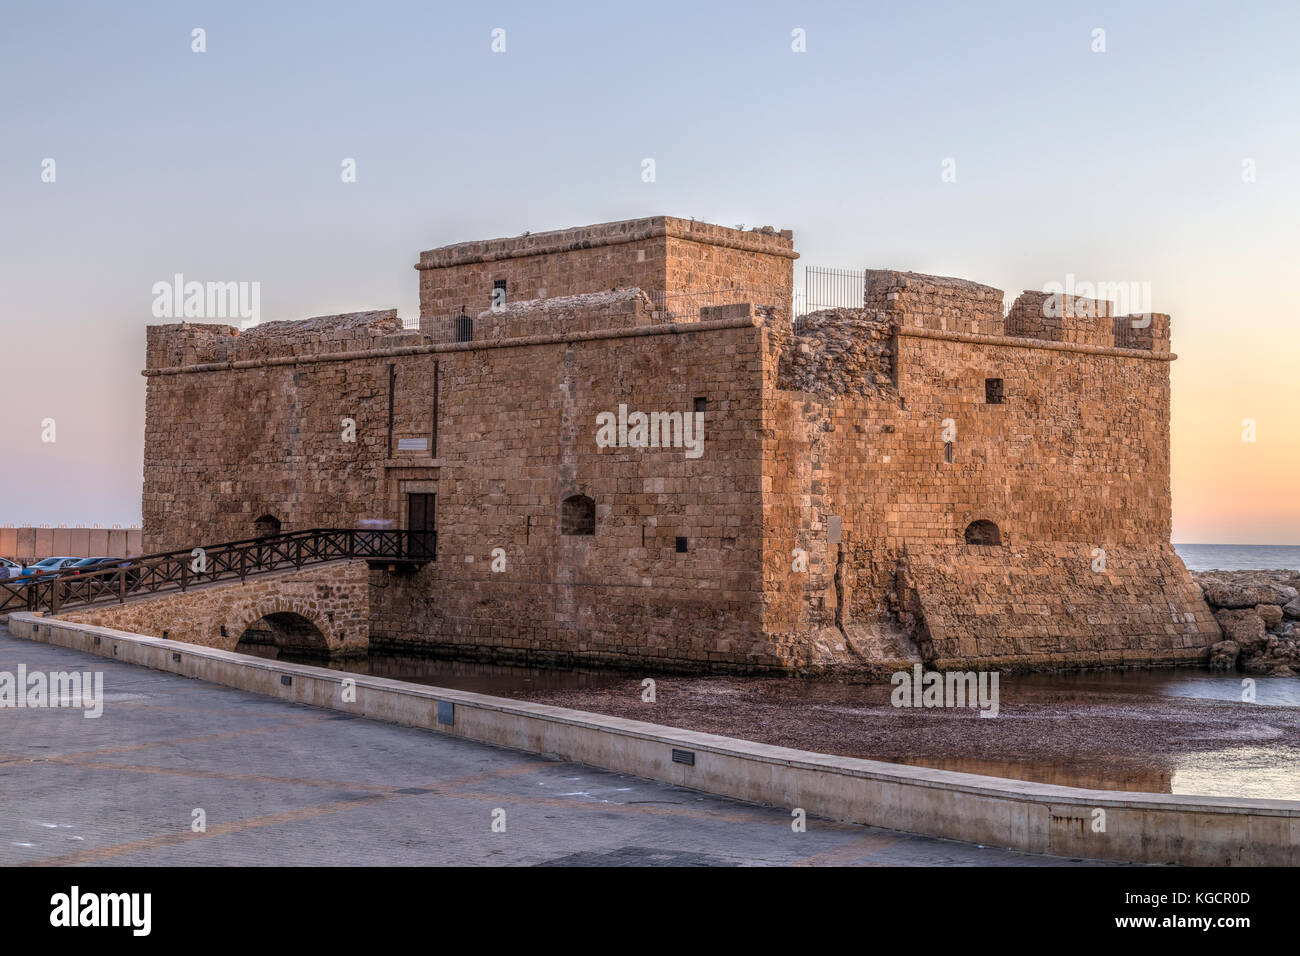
[(174, 570)]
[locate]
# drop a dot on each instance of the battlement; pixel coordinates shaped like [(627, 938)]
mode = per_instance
[(941, 303), (1056, 317), (944, 304), (188, 343)]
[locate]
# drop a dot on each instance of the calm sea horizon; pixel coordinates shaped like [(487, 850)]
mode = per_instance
[(1239, 557)]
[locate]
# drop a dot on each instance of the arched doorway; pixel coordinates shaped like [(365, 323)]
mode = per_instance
[(266, 526), (284, 636), (983, 532)]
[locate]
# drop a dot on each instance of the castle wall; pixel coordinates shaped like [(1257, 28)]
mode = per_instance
[(936, 302), (1053, 607), (697, 263), (1075, 458), (658, 254), (262, 432), (448, 282), (188, 343), (515, 435), (566, 315), (624, 595), (1077, 451)]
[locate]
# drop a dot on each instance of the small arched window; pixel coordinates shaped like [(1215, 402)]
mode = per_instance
[(983, 532), (266, 526), (577, 515)]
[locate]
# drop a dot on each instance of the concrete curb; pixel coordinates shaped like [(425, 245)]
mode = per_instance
[(1018, 815)]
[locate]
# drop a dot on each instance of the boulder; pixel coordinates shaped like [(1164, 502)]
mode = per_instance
[(1230, 595), (1270, 613), (1244, 628), (1223, 655), (1292, 609)]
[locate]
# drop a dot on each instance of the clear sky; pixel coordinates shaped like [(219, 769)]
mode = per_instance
[(1123, 166)]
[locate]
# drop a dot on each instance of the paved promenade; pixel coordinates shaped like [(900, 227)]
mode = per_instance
[(279, 783)]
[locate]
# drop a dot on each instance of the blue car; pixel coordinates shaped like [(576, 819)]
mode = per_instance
[(47, 567)]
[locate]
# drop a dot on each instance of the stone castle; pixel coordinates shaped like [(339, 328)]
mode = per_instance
[(633, 452)]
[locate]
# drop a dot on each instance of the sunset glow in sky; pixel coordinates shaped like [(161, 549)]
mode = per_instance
[(1172, 158)]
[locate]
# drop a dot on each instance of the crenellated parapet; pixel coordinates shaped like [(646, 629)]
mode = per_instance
[(187, 343)]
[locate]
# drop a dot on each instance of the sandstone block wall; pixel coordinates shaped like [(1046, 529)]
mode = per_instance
[(518, 436), (334, 598), (936, 302), (905, 466), (1062, 318), (1054, 605), (566, 315), (702, 258), (511, 433), (1150, 331), (224, 448)]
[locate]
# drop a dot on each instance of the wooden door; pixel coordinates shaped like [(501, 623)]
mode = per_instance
[(422, 525)]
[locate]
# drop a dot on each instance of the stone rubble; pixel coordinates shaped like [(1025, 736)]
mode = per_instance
[(1259, 613)]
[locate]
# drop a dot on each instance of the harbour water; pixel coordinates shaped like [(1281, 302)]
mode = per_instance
[(1239, 557), (1184, 730)]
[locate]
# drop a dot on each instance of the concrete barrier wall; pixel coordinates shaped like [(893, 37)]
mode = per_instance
[(32, 544), (1037, 818)]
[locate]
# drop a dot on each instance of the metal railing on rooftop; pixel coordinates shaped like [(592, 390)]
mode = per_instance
[(831, 289)]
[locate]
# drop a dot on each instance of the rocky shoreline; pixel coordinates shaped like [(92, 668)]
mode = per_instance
[(1259, 612)]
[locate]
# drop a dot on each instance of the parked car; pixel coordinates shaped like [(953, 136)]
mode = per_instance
[(107, 564), (9, 569), (47, 567), (93, 564)]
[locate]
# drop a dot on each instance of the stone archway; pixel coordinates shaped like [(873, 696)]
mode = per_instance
[(329, 603), (289, 620), (983, 532), (284, 633), (266, 526), (322, 611)]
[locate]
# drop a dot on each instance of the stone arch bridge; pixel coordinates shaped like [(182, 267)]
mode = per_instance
[(323, 609)]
